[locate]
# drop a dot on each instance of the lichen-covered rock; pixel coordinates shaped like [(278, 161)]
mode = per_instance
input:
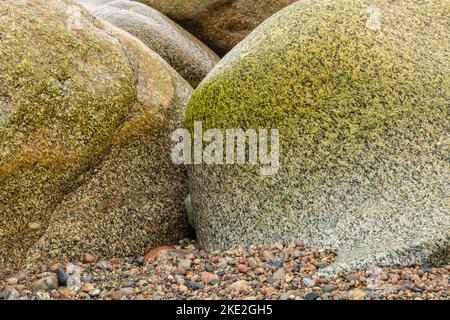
[(220, 24), (86, 112), (360, 93), (185, 53)]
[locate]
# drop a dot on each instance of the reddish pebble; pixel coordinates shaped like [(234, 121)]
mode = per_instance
[(157, 253), (207, 277), (181, 271), (243, 268), (88, 258), (267, 255)]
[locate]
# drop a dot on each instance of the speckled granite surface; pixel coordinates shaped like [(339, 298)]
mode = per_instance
[(185, 53), (86, 112), (360, 91)]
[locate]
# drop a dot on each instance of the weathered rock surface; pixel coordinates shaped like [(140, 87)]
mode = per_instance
[(220, 24), (92, 4), (360, 93), (185, 53), (86, 112)]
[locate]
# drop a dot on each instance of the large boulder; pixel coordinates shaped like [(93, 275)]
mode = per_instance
[(220, 24), (185, 53), (86, 112), (359, 91), (92, 4)]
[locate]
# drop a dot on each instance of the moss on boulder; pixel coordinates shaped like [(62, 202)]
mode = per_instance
[(84, 113), (359, 91), (185, 53), (220, 24)]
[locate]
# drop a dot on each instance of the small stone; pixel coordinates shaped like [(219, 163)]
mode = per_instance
[(252, 263), (115, 295), (194, 285), (185, 263), (45, 284), (34, 225), (267, 255), (207, 277), (129, 284), (356, 294), (328, 288), (321, 265), (239, 286), (209, 267), (352, 277), (12, 281), (309, 283), (140, 260), (13, 295), (389, 289), (95, 292), (279, 274), (312, 296), (88, 258), (277, 263), (394, 279), (299, 243), (88, 287), (298, 267), (62, 277), (22, 276), (183, 289), (181, 271), (74, 282), (243, 268), (126, 291), (103, 265), (158, 253), (284, 296), (213, 282), (67, 293), (70, 268), (42, 295)]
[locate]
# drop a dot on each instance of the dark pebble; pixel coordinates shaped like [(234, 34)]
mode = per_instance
[(194, 285), (220, 273), (352, 277), (345, 287), (140, 260), (209, 267), (321, 265), (62, 277), (277, 263), (3, 295), (298, 267), (312, 296), (328, 288), (213, 282), (427, 269), (271, 280), (128, 285)]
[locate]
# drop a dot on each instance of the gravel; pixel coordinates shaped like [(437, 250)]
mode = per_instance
[(249, 273)]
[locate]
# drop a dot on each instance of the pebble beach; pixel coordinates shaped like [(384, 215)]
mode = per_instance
[(261, 272)]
